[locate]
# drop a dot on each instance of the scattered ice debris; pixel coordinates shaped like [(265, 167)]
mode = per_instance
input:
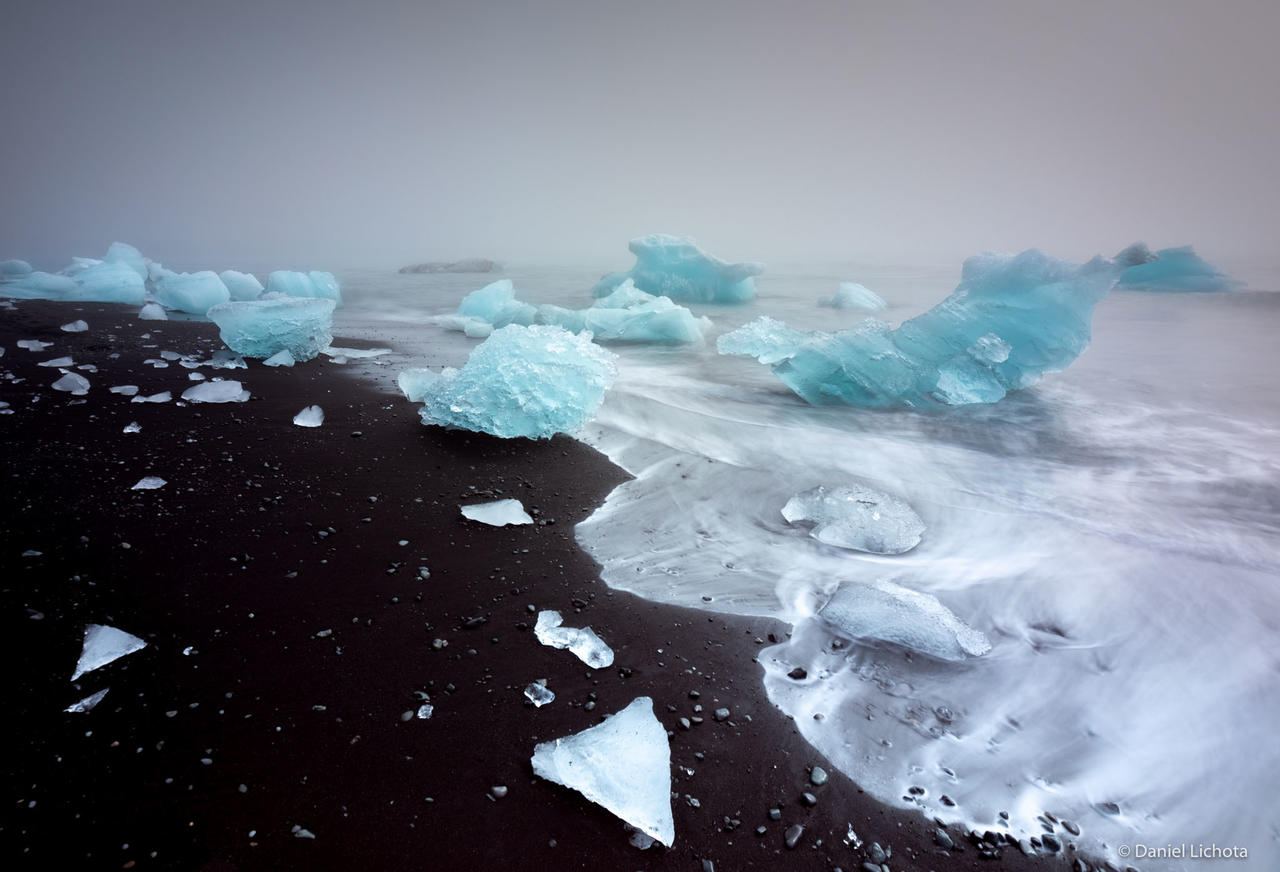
[(539, 694), (57, 361), (150, 482), (102, 645), (133, 427), (14, 269), (284, 357), (354, 353), (851, 295), (34, 344), (152, 312), (584, 643), (4, 408), (623, 764), (856, 517), (126, 390), (1010, 320), (1170, 269), (78, 326), (216, 392), (887, 612), (221, 359), (311, 416), (674, 266), (523, 381), (300, 833), (76, 385), (274, 323), (499, 513), (162, 397), (191, 292), (87, 704), (241, 286), (87, 367), (298, 284)]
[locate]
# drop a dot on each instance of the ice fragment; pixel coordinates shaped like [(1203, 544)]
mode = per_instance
[(887, 612), (216, 392), (102, 645), (499, 513), (851, 295), (311, 416), (274, 323), (674, 266), (150, 482), (75, 327), (856, 517), (86, 705), (538, 694), (76, 385), (584, 643)]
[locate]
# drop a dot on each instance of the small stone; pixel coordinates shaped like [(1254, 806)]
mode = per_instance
[(797, 674), (877, 854), (818, 776), (808, 799), (1071, 827), (1051, 843), (942, 840), (722, 714), (775, 814), (793, 834), (498, 791)]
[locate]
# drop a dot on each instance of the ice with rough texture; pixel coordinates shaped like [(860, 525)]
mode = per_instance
[(75, 327), (39, 286), (623, 764), (262, 328), (126, 255), (284, 357), (674, 266), (494, 305), (533, 382), (413, 383), (72, 383), (14, 269), (87, 704), (103, 645), (1010, 320), (311, 416), (194, 292), (499, 513), (241, 286), (316, 284), (1170, 269), (851, 295), (132, 427), (856, 517), (216, 392), (887, 612), (152, 312), (584, 643), (150, 482), (539, 694)]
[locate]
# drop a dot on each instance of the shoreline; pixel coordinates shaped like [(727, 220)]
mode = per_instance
[(289, 630)]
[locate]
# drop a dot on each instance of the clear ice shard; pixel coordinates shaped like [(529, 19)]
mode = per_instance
[(538, 694), (675, 267), (75, 327), (851, 295), (1170, 269), (76, 385), (1010, 320), (275, 323), (623, 765), (316, 284), (162, 397), (887, 612), (497, 514), (150, 482), (584, 643), (194, 292), (311, 416), (102, 645), (241, 286), (533, 382), (216, 392), (284, 357), (856, 517), (87, 704)]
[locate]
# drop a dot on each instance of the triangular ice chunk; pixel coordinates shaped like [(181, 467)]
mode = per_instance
[(104, 644), (87, 704), (589, 647), (623, 764), (498, 514)]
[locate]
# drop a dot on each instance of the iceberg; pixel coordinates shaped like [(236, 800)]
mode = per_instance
[(497, 514), (494, 305), (1170, 269), (275, 323), (533, 382), (623, 764), (109, 282), (851, 295), (675, 267), (39, 286), (887, 612), (216, 392), (584, 643), (321, 285), (103, 645), (311, 416), (14, 269), (1010, 320), (856, 517), (126, 255), (241, 286), (191, 292)]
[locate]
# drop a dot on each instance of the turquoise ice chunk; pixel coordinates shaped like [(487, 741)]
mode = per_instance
[(321, 285), (1170, 269), (275, 323), (675, 267), (191, 292)]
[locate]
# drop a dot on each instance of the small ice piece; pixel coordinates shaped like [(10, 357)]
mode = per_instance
[(425, 711), (311, 416), (538, 693), (1170, 269), (298, 284), (150, 482), (34, 344), (856, 517), (102, 645), (887, 612), (283, 357), (264, 327), (588, 647), (57, 361), (75, 327), (126, 390), (195, 376), (162, 397), (499, 513), (76, 385), (192, 292), (674, 266), (851, 295), (133, 427), (354, 353), (86, 705), (152, 312), (241, 286), (623, 764), (216, 392)]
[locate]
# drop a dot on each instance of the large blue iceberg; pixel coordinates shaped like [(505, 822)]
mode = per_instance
[(1010, 320), (194, 292), (522, 381), (321, 285), (101, 282), (1170, 269), (275, 323), (674, 266)]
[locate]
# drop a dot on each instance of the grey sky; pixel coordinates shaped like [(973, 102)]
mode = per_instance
[(329, 135)]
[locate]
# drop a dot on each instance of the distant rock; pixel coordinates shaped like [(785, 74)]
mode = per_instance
[(467, 265)]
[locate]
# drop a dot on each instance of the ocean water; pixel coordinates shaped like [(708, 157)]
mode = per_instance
[(1115, 533)]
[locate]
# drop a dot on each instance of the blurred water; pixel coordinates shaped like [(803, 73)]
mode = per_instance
[(1115, 532)]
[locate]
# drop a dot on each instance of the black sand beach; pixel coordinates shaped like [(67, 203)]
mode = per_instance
[(288, 632)]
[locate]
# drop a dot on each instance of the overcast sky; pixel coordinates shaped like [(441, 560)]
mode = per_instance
[(327, 135)]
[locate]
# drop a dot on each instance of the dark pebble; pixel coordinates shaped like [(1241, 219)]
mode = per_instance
[(793, 834), (1051, 843), (797, 674), (808, 799), (942, 840)]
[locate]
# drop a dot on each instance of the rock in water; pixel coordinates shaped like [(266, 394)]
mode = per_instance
[(102, 645), (623, 764), (1170, 269), (674, 266), (263, 328), (522, 381), (588, 647), (195, 292), (466, 265), (851, 295), (856, 517), (499, 513), (1010, 320), (886, 612)]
